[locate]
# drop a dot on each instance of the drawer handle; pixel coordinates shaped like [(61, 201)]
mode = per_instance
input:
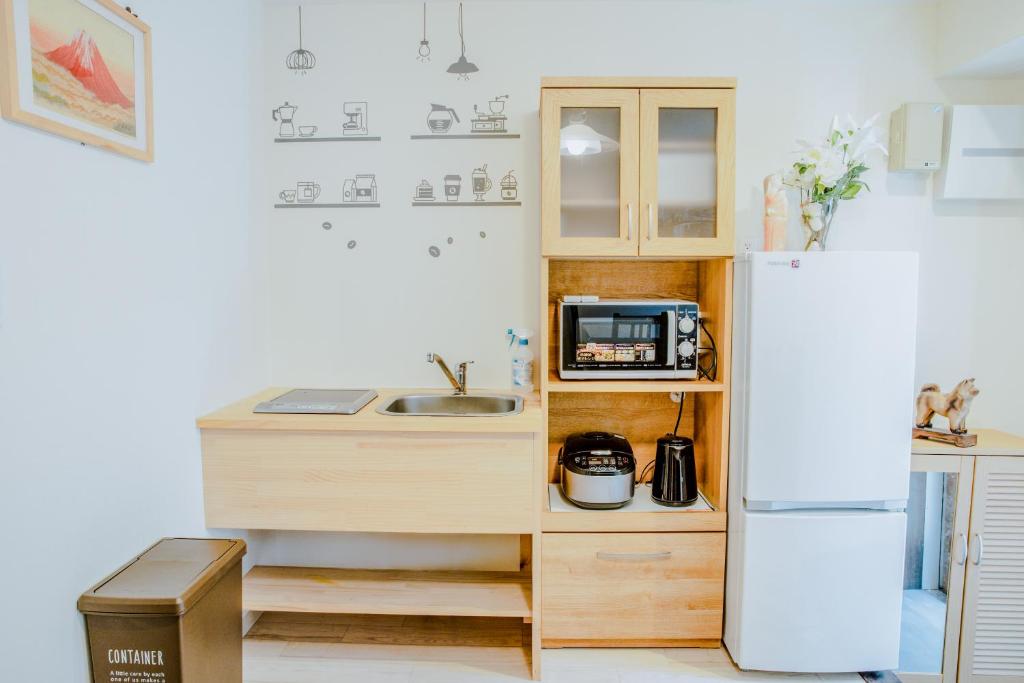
[(634, 557)]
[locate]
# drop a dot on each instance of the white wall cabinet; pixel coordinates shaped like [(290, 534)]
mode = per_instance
[(964, 599)]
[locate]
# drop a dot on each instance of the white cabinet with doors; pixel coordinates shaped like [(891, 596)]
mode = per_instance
[(963, 616)]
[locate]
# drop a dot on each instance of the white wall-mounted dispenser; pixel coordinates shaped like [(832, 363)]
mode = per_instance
[(915, 137), (984, 154)]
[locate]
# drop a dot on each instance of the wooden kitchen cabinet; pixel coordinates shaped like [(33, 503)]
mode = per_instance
[(976, 634), (637, 167), (634, 590)]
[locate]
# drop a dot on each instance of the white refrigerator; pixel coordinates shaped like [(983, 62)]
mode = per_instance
[(820, 459)]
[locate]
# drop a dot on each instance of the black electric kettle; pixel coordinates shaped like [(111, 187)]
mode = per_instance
[(675, 475)]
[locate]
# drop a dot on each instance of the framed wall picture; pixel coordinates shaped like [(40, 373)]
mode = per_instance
[(78, 68)]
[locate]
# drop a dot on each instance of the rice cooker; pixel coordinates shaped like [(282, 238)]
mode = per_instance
[(597, 470)]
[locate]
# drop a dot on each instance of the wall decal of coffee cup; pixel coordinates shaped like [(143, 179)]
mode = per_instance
[(307, 192), (481, 183), (307, 131), (452, 187), (509, 187), (288, 196), (440, 118)]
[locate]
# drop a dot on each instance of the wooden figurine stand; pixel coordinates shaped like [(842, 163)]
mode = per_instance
[(958, 440)]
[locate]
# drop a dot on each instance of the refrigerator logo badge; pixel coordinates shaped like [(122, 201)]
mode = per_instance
[(795, 263)]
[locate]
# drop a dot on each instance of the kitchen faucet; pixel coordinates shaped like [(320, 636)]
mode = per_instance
[(457, 380)]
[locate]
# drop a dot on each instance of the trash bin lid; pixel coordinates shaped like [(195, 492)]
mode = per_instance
[(168, 578)]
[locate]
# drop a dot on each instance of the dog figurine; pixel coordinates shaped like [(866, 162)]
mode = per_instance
[(954, 406)]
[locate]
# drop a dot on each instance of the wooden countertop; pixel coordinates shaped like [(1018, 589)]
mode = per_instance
[(239, 415), (990, 442)]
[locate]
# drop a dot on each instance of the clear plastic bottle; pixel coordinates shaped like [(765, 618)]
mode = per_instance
[(522, 361)]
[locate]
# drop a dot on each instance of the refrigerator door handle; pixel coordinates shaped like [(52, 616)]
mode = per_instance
[(979, 549), (961, 540)]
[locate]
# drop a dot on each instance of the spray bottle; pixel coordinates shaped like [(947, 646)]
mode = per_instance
[(522, 359)]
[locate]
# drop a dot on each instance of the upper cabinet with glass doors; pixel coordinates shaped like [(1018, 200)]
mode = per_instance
[(637, 171)]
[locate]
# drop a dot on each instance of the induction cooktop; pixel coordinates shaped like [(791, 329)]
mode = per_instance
[(318, 402)]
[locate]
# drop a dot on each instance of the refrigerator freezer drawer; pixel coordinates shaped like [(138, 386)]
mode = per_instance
[(815, 591)]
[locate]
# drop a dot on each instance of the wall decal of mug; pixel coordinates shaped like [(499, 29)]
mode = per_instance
[(307, 192), (307, 131), (481, 183), (288, 196)]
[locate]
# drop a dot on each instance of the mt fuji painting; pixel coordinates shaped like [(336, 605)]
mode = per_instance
[(83, 65)]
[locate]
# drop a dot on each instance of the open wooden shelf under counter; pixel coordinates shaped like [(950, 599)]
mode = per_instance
[(375, 591), (639, 515)]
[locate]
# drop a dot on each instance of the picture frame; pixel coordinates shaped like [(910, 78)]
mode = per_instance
[(81, 69)]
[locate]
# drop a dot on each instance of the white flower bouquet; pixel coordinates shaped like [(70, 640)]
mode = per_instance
[(829, 172)]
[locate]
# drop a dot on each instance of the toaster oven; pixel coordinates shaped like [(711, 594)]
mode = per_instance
[(628, 339)]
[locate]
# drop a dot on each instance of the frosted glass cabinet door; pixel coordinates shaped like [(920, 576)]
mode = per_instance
[(686, 168), (938, 516), (590, 171)]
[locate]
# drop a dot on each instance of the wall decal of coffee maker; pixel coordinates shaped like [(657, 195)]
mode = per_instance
[(286, 115)]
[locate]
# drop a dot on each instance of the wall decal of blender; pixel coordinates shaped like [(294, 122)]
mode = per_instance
[(479, 185)]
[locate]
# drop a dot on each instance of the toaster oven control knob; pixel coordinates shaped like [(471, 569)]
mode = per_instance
[(686, 324), (686, 349)]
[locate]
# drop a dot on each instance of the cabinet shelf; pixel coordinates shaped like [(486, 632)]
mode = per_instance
[(642, 514), (439, 204), (370, 591), (329, 139), (631, 386)]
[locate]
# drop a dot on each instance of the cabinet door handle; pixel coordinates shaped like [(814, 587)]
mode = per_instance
[(979, 549), (650, 222), (629, 221), (961, 540), (634, 557)]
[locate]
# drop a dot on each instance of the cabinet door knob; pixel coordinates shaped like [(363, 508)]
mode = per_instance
[(979, 549), (634, 557), (961, 540), (650, 221), (629, 221)]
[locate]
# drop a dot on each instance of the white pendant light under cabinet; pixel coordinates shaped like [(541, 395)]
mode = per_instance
[(579, 139)]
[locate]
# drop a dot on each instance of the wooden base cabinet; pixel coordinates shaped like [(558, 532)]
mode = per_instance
[(632, 589), (973, 509)]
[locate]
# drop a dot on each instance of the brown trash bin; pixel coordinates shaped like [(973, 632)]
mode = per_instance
[(171, 615)]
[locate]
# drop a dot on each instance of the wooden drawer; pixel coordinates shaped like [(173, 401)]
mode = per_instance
[(369, 481), (633, 589)]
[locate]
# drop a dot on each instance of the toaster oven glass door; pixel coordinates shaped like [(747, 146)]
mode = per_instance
[(618, 337)]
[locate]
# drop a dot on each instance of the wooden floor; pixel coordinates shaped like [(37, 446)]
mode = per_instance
[(337, 648)]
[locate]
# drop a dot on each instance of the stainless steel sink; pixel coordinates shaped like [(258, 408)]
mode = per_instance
[(458, 405)]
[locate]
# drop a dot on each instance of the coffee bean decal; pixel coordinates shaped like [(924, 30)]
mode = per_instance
[(483, 235), (327, 225), (451, 240), (434, 251), (351, 244)]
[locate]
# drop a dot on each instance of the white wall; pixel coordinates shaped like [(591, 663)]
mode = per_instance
[(978, 37), (131, 300), (369, 315)]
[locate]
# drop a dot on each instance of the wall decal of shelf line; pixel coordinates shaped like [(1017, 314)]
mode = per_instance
[(349, 205), (349, 139), (466, 136), (442, 203)]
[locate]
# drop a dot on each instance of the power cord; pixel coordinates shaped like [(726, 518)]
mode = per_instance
[(675, 432), (710, 372)]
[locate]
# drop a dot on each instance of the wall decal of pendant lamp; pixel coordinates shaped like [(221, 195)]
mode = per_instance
[(300, 61), (423, 54), (462, 67), (579, 139)]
